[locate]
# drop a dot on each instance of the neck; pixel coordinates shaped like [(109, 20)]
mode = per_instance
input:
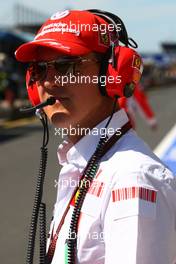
[(89, 123)]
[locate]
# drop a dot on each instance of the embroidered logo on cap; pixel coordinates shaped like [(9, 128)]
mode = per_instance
[(60, 14), (138, 68), (137, 63)]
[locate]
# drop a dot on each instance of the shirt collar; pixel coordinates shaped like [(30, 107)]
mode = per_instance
[(80, 153)]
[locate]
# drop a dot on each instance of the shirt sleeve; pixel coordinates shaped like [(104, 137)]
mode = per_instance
[(140, 220)]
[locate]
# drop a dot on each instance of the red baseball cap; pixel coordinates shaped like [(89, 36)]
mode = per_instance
[(71, 32)]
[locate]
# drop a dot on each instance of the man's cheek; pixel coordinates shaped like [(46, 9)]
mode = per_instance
[(41, 92)]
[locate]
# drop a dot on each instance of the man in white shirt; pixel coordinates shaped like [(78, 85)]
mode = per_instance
[(127, 214)]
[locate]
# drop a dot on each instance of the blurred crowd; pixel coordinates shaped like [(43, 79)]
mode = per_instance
[(159, 70), (11, 80)]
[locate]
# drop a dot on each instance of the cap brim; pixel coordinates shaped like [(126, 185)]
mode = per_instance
[(30, 51)]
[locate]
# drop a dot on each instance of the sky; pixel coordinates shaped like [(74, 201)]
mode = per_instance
[(149, 22)]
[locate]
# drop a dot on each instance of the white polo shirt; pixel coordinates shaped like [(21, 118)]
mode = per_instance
[(129, 213)]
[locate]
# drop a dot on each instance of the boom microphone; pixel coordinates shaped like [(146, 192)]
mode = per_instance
[(49, 101)]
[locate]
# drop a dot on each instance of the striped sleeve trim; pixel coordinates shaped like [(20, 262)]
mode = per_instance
[(134, 192), (96, 188)]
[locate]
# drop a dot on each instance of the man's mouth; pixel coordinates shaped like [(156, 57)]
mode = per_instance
[(60, 99)]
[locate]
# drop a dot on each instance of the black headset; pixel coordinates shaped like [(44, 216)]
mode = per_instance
[(122, 36), (115, 20)]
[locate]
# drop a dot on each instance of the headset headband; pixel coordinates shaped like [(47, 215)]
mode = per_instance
[(109, 56), (123, 35)]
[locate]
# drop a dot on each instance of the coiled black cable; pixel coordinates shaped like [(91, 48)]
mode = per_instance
[(42, 221), (37, 201)]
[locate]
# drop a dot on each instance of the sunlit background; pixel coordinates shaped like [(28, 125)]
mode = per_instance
[(149, 22)]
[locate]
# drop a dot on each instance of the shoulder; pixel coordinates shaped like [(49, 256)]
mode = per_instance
[(131, 161)]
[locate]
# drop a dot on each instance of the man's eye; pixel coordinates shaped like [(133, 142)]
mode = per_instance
[(63, 67)]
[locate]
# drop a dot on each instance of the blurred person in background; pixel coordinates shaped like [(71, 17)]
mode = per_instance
[(8, 81), (122, 209)]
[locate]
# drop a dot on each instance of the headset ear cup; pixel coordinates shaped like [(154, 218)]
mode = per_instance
[(126, 74), (32, 90), (129, 90)]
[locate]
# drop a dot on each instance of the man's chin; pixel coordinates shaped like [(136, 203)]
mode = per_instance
[(60, 120)]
